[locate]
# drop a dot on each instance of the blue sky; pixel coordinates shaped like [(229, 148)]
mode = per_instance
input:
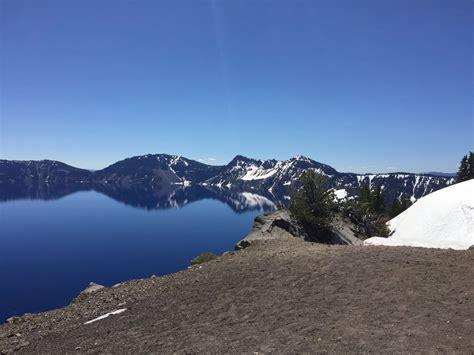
[(367, 85)]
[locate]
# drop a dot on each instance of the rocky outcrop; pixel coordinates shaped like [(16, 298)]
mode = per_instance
[(280, 224), (277, 224), (343, 232)]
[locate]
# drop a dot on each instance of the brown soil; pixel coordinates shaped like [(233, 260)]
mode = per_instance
[(282, 295)]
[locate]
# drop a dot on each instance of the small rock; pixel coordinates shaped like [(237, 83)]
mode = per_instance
[(242, 244), (92, 287)]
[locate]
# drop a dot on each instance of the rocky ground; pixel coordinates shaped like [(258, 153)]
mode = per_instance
[(278, 295)]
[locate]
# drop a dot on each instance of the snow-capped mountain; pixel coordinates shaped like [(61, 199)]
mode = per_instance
[(270, 178), (160, 169), (279, 177), (266, 175)]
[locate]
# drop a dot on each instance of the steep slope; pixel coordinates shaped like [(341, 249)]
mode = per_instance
[(443, 219), (49, 171)]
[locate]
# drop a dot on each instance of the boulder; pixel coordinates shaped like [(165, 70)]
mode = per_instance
[(280, 224), (277, 224)]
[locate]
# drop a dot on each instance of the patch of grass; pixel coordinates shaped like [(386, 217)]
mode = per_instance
[(203, 258)]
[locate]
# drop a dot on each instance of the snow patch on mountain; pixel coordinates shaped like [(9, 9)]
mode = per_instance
[(254, 172), (443, 219), (340, 194)]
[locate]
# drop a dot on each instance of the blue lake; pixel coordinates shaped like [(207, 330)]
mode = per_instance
[(51, 249)]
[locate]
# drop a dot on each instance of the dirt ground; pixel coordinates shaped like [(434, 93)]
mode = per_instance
[(281, 296)]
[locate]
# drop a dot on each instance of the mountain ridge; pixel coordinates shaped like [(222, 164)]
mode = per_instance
[(427, 173), (277, 177)]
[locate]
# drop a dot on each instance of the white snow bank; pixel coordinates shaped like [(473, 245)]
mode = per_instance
[(118, 311), (443, 219)]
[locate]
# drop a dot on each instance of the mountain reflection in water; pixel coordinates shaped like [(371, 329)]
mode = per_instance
[(146, 196)]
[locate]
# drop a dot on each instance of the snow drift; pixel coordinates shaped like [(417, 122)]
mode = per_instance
[(443, 219)]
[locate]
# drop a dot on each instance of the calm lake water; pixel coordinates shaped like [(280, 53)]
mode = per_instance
[(51, 249)]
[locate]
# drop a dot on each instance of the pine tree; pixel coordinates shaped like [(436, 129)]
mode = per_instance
[(395, 209), (378, 201), (313, 204), (470, 169), (365, 198), (368, 212), (463, 171), (466, 168), (405, 204)]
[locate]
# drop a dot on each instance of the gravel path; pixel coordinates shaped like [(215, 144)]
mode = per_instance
[(282, 295)]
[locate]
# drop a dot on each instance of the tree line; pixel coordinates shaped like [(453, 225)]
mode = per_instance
[(375, 202)]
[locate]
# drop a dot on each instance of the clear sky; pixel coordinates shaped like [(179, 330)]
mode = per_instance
[(366, 85)]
